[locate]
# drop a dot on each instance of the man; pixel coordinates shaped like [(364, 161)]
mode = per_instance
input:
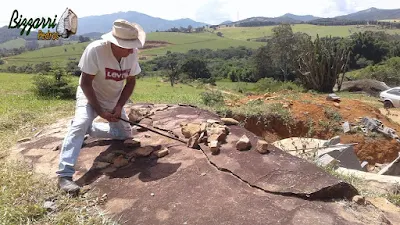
[(105, 65)]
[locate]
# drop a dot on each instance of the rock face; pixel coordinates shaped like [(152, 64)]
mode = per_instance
[(274, 188)]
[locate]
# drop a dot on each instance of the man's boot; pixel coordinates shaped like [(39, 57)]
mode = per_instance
[(66, 184)]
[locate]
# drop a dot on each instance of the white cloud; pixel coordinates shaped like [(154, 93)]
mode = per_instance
[(212, 11)]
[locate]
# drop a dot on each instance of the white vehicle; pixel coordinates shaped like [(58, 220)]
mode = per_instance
[(390, 98)]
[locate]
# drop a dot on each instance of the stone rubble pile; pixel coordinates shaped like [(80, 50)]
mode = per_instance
[(132, 149), (375, 125), (213, 133)]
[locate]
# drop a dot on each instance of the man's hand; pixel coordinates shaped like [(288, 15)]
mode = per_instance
[(116, 113), (107, 116)]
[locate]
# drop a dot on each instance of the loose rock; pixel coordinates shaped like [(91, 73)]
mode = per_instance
[(337, 105), (134, 115), (120, 161), (193, 141), (333, 97), (203, 127), (230, 121), (190, 129), (143, 151), (359, 199), (262, 147), (214, 147), (212, 121), (100, 165), (50, 206), (131, 143), (217, 132), (162, 153), (243, 143)]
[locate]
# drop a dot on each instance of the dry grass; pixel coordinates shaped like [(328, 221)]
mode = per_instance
[(25, 193)]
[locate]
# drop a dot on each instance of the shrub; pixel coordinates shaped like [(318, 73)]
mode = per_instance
[(271, 85), (212, 98), (56, 86), (386, 72)]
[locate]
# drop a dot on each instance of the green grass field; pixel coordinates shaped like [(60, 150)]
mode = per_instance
[(55, 54), (182, 42), (16, 43), (244, 33)]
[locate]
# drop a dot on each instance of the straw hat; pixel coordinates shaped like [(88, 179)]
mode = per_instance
[(126, 34)]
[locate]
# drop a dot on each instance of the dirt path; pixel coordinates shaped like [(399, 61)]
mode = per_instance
[(393, 114), (222, 91)]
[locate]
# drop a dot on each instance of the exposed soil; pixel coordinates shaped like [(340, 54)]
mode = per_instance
[(316, 117), (155, 44)]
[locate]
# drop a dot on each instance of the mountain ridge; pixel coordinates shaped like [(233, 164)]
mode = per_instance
[(103, 23), (95, 25)]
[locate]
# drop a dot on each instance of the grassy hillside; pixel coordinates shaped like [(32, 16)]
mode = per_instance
[(20, 42), (55, 54), (16, 43), (244, 33), (180, 42)]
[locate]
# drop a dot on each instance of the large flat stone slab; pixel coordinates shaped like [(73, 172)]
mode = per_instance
[(190, 186), (278, 171)]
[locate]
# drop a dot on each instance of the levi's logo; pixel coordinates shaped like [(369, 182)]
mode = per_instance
[(116, 75)]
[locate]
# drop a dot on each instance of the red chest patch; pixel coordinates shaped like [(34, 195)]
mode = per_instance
[(117, 75)]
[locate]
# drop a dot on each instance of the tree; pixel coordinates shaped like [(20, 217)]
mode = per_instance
[(83, 39), (373, 46), (31, 45), (189, 28), (196, 68), (264, 63), (321, 62), (283, 49), (171, 63)]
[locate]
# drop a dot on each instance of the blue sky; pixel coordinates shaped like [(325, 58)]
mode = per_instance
[(209, 11)]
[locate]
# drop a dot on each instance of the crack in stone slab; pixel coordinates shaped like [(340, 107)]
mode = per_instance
[(318, 195)]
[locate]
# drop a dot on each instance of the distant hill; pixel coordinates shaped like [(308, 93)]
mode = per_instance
[(287, 18), (103, 23), (11, 34), (93, 35), (266, 20), (372, 14), (226, 22), (304, 18)]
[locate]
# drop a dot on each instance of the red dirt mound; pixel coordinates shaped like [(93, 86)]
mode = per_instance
[(155, 44), (316, 117)]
